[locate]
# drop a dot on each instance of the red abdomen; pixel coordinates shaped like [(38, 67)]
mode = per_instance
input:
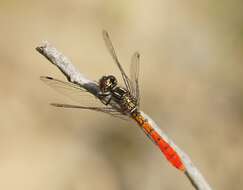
[(170, 154)]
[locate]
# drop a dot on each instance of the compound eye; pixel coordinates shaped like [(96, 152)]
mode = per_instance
[(103, 83), (113, 80)]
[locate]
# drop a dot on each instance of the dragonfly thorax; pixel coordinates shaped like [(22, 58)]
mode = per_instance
[(107, 83), (110, 91)]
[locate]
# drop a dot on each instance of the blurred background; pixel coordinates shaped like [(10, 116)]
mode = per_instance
[(190, 80)]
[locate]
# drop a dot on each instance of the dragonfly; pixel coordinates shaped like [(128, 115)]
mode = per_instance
[(127, 98)]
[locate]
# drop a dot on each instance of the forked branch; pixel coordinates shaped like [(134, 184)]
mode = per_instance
[(73, 75)]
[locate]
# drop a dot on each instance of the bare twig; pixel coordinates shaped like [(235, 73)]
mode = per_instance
[(73, 75)]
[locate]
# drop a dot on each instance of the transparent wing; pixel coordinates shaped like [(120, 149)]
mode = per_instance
[(134, 74), (56, 83), (114, 56), (107, 110), (77, 93), (72, 91)]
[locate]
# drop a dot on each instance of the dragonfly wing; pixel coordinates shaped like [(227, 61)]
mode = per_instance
[(108, 110), (60, 84), (77, 93), (134, 74), (71, 90), (115, 58)]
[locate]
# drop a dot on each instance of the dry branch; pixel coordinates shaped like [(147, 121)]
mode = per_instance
[(73, 75)]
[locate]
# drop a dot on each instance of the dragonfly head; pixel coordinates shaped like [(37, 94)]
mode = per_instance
[(107, 83)]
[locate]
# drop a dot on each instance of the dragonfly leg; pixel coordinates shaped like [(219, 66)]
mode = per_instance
[(105, 98)]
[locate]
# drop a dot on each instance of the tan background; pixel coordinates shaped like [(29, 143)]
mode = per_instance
[(191, 83)]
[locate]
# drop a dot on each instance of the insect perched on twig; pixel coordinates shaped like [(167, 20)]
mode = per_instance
[(126, 98)]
